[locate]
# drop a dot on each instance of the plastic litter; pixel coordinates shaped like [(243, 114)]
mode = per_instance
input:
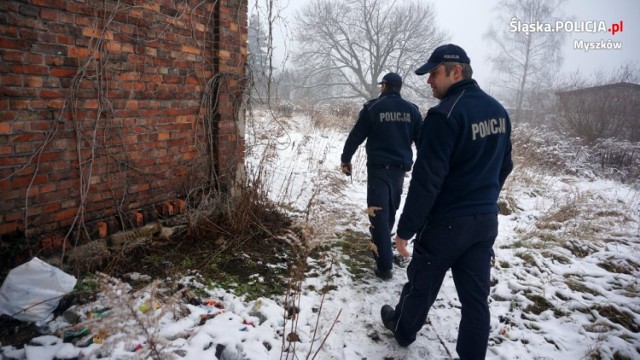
[(32, 291)]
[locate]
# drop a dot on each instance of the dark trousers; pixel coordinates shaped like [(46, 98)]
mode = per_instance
[(384, 187), (464, 245)]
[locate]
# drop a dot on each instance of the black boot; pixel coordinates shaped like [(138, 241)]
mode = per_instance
[(386, 313), (383, 274)]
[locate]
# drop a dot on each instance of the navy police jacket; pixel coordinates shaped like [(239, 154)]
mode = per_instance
[(464, 157), (390, 124)]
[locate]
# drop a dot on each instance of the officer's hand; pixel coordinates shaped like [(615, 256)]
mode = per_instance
[(401, 246), (346, 168)]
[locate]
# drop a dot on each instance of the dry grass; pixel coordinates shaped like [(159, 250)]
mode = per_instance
[(539, 304)]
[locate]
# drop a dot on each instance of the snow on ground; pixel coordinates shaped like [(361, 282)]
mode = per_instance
[(565, 276)]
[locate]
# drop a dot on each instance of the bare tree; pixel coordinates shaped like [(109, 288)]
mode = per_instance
[(526, 57), (346, 46), (266, 18), (258, 60)]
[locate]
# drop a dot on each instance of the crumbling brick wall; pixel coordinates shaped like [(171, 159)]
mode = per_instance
[(109, 106)]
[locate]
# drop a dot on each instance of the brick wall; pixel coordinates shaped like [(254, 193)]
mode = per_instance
[(112, 106)]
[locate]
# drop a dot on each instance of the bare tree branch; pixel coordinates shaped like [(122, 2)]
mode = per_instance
[(344, 47), (526, 60)]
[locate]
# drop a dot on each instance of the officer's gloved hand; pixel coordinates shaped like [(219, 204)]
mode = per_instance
[(346, 168)]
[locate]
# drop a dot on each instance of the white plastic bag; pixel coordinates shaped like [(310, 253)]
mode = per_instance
[(32, 291)]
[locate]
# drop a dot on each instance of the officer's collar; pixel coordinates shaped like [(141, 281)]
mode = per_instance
[(459, 86), (389, 93)]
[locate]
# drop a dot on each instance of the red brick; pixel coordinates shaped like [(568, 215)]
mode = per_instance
[(52, 243), (11, 80), (180, 206), (9, 31), (49, 14), (66, 18), (82, 20), (51, 93), (10, 195), (65, 40), (103, 229), (65, 214), (38, 104), (47, 188), (138, 218), (132, 104), (51, 207), (172, 79), (78, 52), (12, 161), (54, 60), (55, 104), (50, 156), (63, 72), (29, 69), (91, 104), (80, 9), (9, 227), (25, 137), (165, 209), (33, 81), (138, 100), (133, 76), (5, 128), (14, 44), (35, 59), (23, 148)]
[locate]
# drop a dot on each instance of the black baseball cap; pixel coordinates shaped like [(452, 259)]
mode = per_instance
[(444, 53), (392, 80)]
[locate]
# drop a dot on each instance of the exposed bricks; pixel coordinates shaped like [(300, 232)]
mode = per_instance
[(102, 229), (165, 209), (179, 206), (52, 243), (138, 218), (144, 129)]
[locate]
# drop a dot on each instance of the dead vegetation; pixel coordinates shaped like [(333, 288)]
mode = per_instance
[(548, 151)]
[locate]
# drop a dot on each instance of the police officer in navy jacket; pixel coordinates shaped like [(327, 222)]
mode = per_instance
[(390, 125), (464, 157)]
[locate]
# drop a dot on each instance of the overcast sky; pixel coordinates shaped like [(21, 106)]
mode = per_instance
[(467, 28), (467, 20)]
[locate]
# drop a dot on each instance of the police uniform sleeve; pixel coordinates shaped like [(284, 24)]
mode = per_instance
[(507, 162), (437, 143), (417, 124), (357, 135)]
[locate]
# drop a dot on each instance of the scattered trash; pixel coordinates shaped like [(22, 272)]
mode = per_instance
[(97, 314), (144, 307), (71, 316), (205, 317), (32, 291), (100, 337), (192, 298), (68, 336), (213, 303)]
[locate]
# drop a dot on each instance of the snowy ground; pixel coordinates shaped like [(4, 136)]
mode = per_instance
[(565, 279)]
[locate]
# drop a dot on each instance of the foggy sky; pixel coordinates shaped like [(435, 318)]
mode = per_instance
[(467, 20)]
